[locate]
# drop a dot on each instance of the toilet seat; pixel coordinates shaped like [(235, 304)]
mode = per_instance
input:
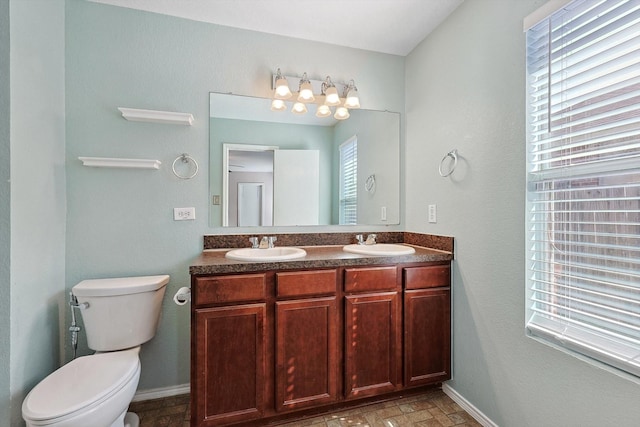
[(80, 385)]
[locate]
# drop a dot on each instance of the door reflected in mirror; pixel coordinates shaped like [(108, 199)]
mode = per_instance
[(276, 168)]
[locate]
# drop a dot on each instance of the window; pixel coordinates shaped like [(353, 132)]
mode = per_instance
[(583, 181), (349, 181)]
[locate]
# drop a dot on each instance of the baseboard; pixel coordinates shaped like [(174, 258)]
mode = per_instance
[(160, 393), (467, 406)]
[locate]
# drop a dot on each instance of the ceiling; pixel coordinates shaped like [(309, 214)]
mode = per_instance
[(387, 26)]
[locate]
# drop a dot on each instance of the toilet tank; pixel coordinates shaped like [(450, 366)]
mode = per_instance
[(121, 312)]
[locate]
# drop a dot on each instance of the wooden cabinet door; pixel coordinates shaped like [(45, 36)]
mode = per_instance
[(306, 353), (372, 344), (230, 364), (427, 354)]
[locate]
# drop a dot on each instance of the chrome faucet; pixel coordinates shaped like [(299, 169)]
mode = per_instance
[(371, 239), (254, 242), (267, 242)]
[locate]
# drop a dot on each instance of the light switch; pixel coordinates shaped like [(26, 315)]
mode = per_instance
[(432, 214)]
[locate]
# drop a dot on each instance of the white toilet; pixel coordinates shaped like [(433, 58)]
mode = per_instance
[(119, 315)]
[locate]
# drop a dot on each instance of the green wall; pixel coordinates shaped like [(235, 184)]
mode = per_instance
[(5, 219), (467, 83), (38, 208)]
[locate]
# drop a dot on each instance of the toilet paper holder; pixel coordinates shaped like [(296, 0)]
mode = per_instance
[(183, 296)]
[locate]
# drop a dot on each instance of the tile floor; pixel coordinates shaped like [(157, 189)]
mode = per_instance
[(430, 409)]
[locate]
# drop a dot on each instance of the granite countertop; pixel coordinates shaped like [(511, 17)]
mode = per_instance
[(213, 261)]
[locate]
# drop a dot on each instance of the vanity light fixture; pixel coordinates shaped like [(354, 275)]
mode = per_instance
[(278, 105), (323, 111), (352, 100), (330, 92), (305, 94), (299, 108), (341, 113), (282, 90), (325, 94)]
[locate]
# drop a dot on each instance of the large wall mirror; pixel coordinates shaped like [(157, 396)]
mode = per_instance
[(281, 169)]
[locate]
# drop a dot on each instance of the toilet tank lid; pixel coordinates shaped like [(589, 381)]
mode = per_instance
[(119, 286)]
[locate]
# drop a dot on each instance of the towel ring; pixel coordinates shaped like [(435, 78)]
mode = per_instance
[(454, 155), (370, 184), (185, 159)]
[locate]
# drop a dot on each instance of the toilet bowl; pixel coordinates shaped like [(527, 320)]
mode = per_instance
[(88, 391), (95, 391)]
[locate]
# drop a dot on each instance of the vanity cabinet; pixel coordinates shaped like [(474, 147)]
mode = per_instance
[(269, 345), (427, 325), (372, 331), (306, 339), (230, 348)]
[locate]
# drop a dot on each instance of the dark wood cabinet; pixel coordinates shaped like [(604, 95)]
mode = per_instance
[(230, 353), (306, 339), (267, 345), (427, 325), (306, 353), (372, 344)]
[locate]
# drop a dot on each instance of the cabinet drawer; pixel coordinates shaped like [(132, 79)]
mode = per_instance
[(221, 289), (306, 283), (370, 279), (433, 276)]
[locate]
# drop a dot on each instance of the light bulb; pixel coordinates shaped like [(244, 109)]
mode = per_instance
[(282, 87), (278, 105), (282, 90), (323, 111), (299, 108), (341, 113), (332, 97), (352, 101), (306, 90), (306, 93)]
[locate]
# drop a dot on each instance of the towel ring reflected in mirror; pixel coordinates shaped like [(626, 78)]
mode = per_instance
[(453, 154), (370, 184), (185, 158)]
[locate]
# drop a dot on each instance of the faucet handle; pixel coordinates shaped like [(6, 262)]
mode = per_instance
[(254, 242), (272, 240), (360, 239)]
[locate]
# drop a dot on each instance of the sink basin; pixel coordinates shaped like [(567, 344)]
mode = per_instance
[(383, 249), (283, 253)]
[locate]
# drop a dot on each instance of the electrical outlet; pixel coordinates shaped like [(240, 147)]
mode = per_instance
[(184, 214), (432, 214)]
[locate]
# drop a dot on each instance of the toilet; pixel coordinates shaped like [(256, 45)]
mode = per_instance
[(119, 315)]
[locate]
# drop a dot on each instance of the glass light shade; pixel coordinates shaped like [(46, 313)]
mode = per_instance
[(352, 101), (332, 97), (299, 108), (306, 92), (282, 89), (278, 105), (323, 111), (341, 113)]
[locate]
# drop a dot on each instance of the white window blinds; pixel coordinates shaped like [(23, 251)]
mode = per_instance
[(349, 181), (583, 180)]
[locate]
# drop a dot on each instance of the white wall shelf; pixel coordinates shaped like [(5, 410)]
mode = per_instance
[(154, 116), (105, 162)]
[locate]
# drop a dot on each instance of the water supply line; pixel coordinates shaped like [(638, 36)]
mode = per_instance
[(74, 328)]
